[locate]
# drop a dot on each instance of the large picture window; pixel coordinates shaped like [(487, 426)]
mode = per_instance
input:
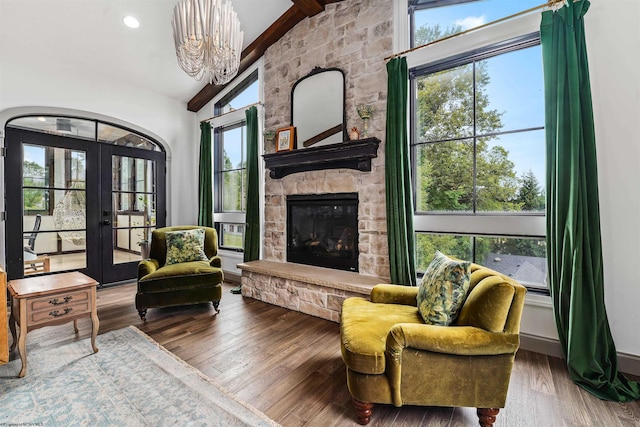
[(230, 162), (478, 151)]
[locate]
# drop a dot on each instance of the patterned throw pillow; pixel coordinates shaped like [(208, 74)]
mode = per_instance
[(443, 289), (186, 245)]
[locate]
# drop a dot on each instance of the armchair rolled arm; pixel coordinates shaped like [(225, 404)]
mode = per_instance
[(458, 340), (394, 294), (215, 261), (147, 266)]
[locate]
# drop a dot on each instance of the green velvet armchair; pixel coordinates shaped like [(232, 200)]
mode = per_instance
[(191, 282), (393, 357)]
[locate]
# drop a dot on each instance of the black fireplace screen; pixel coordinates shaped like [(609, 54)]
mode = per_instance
[(322, 230)]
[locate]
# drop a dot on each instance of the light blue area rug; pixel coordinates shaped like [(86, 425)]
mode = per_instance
[(131, 381)]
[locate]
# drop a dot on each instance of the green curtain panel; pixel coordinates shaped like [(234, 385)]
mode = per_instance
[(205, 187), (252, 221), (574, 250), (398, 177)]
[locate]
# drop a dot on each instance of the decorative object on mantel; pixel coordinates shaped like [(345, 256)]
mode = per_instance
[(354, 134), (208, 40), (365, 111), (344, 155), (286, 139), (268, 136)]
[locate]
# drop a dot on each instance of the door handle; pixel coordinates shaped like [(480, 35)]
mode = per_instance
[(106, 222)]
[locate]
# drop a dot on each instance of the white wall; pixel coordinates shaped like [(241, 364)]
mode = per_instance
[(27, 87), (613, 48)]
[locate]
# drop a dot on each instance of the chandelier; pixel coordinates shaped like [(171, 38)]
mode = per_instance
[(208, 39)]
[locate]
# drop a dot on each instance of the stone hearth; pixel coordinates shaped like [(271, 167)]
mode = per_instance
[(312, 290)]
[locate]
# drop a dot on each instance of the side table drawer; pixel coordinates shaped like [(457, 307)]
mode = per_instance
[(57, 313), (58, 301)]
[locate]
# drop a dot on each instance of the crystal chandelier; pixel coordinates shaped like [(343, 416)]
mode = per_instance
[(208, 39)]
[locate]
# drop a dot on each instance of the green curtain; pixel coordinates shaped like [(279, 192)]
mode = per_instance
[(252, 221), (574, 250), (400, 232), (205, 187)]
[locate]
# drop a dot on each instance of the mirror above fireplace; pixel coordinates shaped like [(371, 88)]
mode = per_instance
[(317, 108)]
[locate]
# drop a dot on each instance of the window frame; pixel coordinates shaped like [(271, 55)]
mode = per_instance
[(493, 41), (222, 122)]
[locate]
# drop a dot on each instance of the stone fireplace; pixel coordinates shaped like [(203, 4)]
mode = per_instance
[(354, 36)]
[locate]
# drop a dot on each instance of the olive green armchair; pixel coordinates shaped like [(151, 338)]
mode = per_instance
[(192, 282), (394, 357)]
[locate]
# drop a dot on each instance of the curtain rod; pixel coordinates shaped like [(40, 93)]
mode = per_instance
[(551, 3), (233, 111)]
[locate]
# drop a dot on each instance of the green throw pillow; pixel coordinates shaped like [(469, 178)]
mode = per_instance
[(184, 246), (443, 289)]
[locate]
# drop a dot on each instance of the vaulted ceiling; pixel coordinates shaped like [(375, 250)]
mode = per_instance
[(89, 35)]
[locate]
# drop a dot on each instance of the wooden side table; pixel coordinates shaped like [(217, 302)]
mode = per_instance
[(51, 300)]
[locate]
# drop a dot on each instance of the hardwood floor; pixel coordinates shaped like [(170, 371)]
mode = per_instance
[(288, 365)]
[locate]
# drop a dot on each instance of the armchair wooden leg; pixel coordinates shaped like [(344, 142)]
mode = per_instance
[(487, 416), (363, 409), (143, 314), (215, 306)]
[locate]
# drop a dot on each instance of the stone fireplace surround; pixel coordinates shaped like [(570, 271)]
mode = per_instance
[(315, 290), (355, 36)]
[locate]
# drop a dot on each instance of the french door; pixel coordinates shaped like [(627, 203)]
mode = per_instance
[(80, 203)]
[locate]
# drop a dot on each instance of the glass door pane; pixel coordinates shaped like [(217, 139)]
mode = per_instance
[(134, 201), (54, 208)]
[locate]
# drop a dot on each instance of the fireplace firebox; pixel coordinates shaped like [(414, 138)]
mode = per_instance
[(322, 230)]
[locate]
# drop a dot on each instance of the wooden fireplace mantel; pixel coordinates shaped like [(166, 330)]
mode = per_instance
[(348, 155)]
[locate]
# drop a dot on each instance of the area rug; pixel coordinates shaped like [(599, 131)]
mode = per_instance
[(131, 381)]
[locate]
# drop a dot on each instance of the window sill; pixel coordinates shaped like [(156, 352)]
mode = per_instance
[(538, 300)]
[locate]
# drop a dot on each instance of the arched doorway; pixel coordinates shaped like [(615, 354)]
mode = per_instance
[(81, 194)]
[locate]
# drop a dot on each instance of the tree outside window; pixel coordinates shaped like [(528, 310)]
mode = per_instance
[(478, 149)]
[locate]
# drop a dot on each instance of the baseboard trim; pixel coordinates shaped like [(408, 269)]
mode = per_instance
[(627, 363), (542, 345), (230, 277)]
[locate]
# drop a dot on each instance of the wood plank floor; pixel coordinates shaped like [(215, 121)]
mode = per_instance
[(288, 365)]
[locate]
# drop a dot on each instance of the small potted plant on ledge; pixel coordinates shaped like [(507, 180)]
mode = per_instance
[(144, 241), (144, 248)]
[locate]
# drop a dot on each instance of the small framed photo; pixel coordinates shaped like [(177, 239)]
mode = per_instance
[(286, 139)]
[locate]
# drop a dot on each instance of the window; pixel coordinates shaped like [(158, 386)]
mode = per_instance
[(230, 151), (434, 19), (478, 150)]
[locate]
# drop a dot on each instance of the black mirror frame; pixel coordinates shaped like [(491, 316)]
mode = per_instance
[(317, 70)]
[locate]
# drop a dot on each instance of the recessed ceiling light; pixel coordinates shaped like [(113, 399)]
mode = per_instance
[(42, 119), (130, 21)]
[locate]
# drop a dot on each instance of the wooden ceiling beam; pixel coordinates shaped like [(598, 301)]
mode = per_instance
[(309, 7), (300, 10)]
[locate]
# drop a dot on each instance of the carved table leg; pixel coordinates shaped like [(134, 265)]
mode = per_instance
[(95, 322), (22, 338), (487, 416), (12, 327), (363, 409)]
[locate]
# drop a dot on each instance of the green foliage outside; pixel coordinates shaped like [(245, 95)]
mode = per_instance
[(233, 240), (234, 185), (34, 176), (447, 116)]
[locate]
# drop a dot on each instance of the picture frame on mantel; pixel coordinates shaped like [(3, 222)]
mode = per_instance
[(286, 139)]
